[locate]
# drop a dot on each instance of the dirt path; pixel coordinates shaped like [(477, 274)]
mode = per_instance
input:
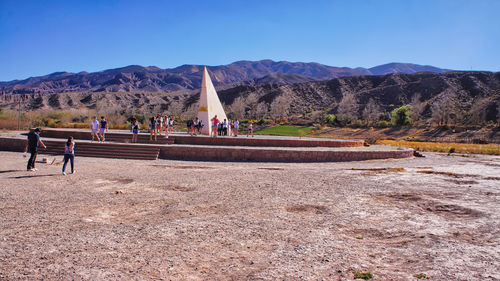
[(438, 215)]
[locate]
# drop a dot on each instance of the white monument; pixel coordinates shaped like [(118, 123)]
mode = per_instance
[(209, 104)]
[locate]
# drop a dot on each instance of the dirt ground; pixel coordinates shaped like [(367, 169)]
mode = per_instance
[(177, 220)]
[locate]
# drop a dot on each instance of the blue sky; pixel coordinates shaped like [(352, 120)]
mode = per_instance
[(41, 37)]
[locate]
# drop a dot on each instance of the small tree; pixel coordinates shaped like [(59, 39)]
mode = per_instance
[(400, 116), (175, 108), (280, 106), (446, 109), (478, 112), (237, 108), (347, 111), (372, 112), (251, 103), (498, 113), (416, 108), (261, 110)]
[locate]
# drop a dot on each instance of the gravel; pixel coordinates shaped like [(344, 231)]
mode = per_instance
[(179, 220)]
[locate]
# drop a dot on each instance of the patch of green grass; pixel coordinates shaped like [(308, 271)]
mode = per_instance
[(285, 130), (363, 275)]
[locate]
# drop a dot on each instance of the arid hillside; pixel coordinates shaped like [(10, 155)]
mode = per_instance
[(453, 97)]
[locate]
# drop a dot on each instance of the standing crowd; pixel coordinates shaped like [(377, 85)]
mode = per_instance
[(157, 125)]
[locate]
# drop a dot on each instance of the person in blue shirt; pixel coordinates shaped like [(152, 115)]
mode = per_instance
[(69, 154), (32, 147), (135, 130)]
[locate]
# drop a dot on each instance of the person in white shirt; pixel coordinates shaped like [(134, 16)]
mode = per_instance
[(236, 127), (94, 125)]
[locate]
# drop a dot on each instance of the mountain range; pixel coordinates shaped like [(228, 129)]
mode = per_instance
[(185, 78), (472, 95)]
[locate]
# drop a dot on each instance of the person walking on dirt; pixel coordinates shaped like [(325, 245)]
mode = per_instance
[(32, 144), (94, 125), (69, 154), (104, 128)]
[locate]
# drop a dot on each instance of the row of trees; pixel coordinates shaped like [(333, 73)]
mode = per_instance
[(445, 109)]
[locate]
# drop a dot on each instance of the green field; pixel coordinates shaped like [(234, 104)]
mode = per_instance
[(285, 130)]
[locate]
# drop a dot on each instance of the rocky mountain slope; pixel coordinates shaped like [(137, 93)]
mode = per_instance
[(474, 94), (135, 78)]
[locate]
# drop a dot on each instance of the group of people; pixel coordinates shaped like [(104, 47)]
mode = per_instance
[(227, 128), (34, 141), (156, 125), (99, 128), (194, 126)]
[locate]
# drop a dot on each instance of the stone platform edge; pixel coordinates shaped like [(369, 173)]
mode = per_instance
[(220, 141), (228, 154)]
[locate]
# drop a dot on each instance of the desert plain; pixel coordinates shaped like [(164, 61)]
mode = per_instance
[(434, 218)]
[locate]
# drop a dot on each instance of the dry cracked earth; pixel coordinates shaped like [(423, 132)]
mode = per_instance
[(434, 218)]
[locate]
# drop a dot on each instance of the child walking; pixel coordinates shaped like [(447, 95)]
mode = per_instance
[(69, 154)]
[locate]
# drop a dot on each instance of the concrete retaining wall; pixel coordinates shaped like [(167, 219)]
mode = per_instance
[(271, 155), (203, 153)]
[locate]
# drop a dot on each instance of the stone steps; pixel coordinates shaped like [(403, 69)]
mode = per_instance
[(104, 150)]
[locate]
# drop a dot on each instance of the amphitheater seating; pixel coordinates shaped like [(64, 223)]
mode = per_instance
[(105, 150)]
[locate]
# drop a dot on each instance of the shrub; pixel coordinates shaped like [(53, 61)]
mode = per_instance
[(401, 116), (330, 119), (363, 275), (358, 124), (421, 276), (382, 124)]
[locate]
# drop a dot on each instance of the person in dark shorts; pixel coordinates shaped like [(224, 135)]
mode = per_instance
[(196, 126), (135, 130), (250, 130), (32, 147), (152, 125), (104, 126), (159, 124), (189, 126), (224, 127), (69, 154)]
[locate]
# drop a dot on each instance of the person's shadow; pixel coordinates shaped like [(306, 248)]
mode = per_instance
[(33, 176), (9, 171)]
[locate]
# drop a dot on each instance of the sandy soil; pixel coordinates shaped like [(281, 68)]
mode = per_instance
[(201, 220)]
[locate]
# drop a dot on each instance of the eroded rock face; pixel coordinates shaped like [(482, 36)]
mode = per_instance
[(476, 93)]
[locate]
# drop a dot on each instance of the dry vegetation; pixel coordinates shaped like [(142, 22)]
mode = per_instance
[(493, 149)]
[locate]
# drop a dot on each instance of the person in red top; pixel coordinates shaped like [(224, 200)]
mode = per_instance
[(215, 125)]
